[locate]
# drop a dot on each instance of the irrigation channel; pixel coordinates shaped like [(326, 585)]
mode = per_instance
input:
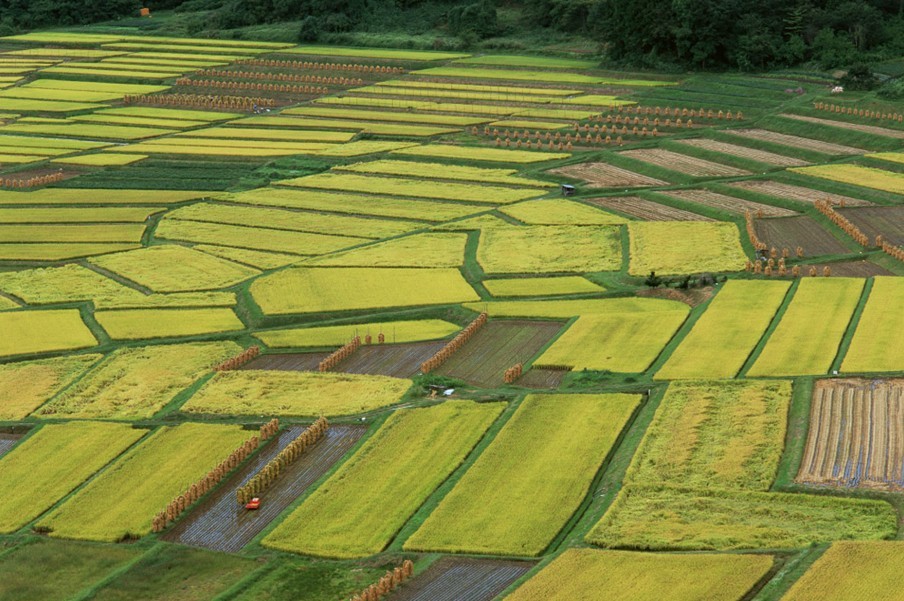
[(221, 524), (452, 579)]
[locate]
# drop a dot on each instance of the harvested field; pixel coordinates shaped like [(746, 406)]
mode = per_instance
[(796, 141), (8, 441), (870, 129), (730, 204), (691, 296), (856, 435), (497, 346), (854, 269), (287, 361), (221, 524), (542, 378), (647, 210), (682, 163), (465, 579), (603, 175), (753, 154), (398, 360), (874, 221), (798, 193), (804, 231)]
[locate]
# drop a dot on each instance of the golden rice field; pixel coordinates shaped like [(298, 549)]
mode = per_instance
[(418, 250), (325, 336), (123, 500), (257, 259), (619, 342), (57, 251), (849, 571), (580, 575), (415, 188), (290, 393), (363, 504), (136, 382), (312, 290), (572, 308), (875, 346), (550, 249), (39, 331), (492, 155), (677, 247), (101, 160), (91, 196), (69, 283), (553, 211), (527, 483), (724, 336), (331, 112), (383, 53), (807, 338), (857, 175), (52, 462), (551, 286), (106, 232), (173, 268), (138, 324)]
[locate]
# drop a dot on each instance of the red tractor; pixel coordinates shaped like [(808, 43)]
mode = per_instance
[(253, 504)]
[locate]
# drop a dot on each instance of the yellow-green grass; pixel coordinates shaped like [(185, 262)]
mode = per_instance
[(368, 127), (94, 86), (57, 252), (179, 299), (526, 485), (857, 175), (101, 160), (318, 223), (100, 117), (254, 238), (572, 308), (26, 332), (420, 250), (76, 215), (64, 52), (415, 188), (124, 499), (97, 70), (806, 340), (139, 62), (184, 56), (361, 507), (173, 147), (52, 462), (528, 75), (137, 324), (254, 258), (552, 286), (200, 42), (26, 385), (727, 332), (35, 151), (166, 113), (597, 100), (477, 223), (446, 85), (394, 331), (373, 115), (894, 157), (443, 171), (354, 203), (173, 268), (674, 247), (135, 382), (471, 153), (13, 141), (549, 249), (88, 130), (6, 303), (65, 284), (26, 93), (669, 518), (373, 53), (715, 434), (581, 574), (258, 134), (542, 62), (555, 113), (392, 102), (851, 571), (72, 233), (55, 37), (294, 393), (67, 196), (20, 159), (876, 346), (619, 342), (362, 147), (316, 290), (46, 106), (201, 49), (527, 124), (456, 95), (555, 211)]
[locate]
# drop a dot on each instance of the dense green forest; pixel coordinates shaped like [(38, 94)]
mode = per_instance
[(697, 34)]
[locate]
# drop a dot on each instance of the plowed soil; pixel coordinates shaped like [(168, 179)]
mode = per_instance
[(647, 210), (887, 221), (797, 193), (675, 161), (760, 156), (730, 204), (287, 361), (603, 175), (870, 129), (453, 579), (791, 232), (796, 141), (398, 360)]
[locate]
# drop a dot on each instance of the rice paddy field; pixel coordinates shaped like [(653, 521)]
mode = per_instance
[(602, 319)]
